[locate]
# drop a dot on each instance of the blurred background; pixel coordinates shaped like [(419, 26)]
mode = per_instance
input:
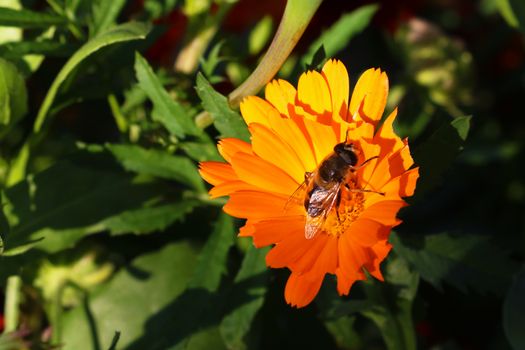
[(107, 224)]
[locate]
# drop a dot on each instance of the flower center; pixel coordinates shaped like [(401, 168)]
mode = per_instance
[(351, 205)]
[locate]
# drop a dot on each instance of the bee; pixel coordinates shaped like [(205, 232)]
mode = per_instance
[(323, 186)]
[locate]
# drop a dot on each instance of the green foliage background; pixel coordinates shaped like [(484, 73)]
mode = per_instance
[(109, 239)]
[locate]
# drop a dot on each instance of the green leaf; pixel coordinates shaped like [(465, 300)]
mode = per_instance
[(70, 199), (260, 35), (200, 304), (210, 63), (4, 227), (166, 111), (201, 151), (391, 305), (158, 163), (460, 260), (318, 60), (125, 32), (344, 333), (227, 121), (29, 19), (341, 32), (514, 312), (212, 260), (252, 279), (513, 11), (149, 219), (13, 94), (47, 47), (105, 14), (435, 155), (130, 301)]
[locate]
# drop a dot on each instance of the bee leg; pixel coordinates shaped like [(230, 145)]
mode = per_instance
[(337, 203), (307, 176), (358, 190)]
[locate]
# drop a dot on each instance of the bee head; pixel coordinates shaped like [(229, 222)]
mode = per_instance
[(347, 152)]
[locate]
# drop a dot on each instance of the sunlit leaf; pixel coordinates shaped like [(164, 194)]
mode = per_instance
[(260, 35), (336, 38), (227, 121), (251, 279), (118, 34), (212, 261), (158, 163), (514, 312), (149, 219), (55, 208), (10, 34), (105, 14), (29, 19), (514, 12), (13, 94), (48, 48), (200, 303), (146, 286), (460, 260), (167, 111)]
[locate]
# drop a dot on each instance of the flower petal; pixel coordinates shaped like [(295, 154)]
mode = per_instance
[(400, 161), (349, 266), (300, 290), (291, 248), (293, 135), (380, 251), (273, 231), (258, 172), (345, 282), (229, 146), (272, 148), (322, 137), (216, 172), (228, 187), (384, 212), (281, 94), (365, 232), (372, 88), (259, 205), (386, 137), (313, 93), (307, 261), (255, 110), (403, 185), (336, 75)]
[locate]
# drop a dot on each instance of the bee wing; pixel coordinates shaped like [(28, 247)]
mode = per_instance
[(299, 194), (314, 224)]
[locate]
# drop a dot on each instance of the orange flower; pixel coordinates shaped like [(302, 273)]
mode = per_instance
[(275, 182)]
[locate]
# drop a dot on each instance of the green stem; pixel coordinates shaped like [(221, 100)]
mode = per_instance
[(198, 40), (12, 301), (296, 17), (56, 315), (120, 119)]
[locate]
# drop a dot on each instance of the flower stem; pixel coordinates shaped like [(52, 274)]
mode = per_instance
[(296, 17), (12, 300), (56, 315)]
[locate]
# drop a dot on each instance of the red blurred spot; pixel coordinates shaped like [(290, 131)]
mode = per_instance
[(161, 51)]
